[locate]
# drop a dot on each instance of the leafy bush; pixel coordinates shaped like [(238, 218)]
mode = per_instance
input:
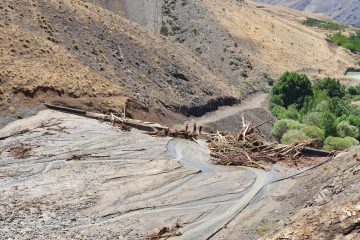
[(294, 136), (344, 129), (327, 123), (291, 88), (284, 125), (314, 133), (282, 113), (353, 90), (279, 111), (312, 119), (332, 87), (292, 113), (354, 120), (322, 106), (340, 107), (338, 143)]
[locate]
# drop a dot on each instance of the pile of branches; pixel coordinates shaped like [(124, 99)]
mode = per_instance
[(248, 148)]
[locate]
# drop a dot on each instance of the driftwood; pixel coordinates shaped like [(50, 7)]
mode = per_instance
[(248, 148), (123, 121)]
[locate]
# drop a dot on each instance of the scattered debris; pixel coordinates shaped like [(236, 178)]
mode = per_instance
[(164, 232), (248, 148), (21, 151), (78, 157)]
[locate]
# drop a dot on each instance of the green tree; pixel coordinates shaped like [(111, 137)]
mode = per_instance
[(331, 86), (327, 123), (291, 88)]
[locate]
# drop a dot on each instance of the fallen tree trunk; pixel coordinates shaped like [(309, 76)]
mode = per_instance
[(144, 126)]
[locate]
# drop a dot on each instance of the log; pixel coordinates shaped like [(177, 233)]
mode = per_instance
[(315, 152), (65, 109)]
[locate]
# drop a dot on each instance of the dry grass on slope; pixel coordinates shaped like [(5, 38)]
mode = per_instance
[(80, 49), (274, 38), (31, 65)]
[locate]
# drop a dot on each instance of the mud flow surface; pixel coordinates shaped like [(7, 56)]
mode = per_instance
[(64, 175)]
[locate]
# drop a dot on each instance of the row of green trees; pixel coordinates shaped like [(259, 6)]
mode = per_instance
[(320, 113)]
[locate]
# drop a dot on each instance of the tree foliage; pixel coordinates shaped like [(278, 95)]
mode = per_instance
[(331, 86), (315, 112), (291, 88)]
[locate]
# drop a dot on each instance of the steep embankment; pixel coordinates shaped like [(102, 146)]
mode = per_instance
[(74, 49), (345, 11)]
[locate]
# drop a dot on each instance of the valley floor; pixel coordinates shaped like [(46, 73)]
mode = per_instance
[(64, 176)]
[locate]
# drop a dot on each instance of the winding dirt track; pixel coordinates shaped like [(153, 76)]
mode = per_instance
[(252, 102)]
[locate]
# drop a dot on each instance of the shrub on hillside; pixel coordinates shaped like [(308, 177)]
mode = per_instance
[(340, 107), (327, 123), (315, 134), (339, 144), (331, 86), (284, 125), (312, 119), (278, 111), (283, 113), (354, 120), (353, 90), (312, 101), (291, 88), (322, 106), (294, 136), (344, 129)]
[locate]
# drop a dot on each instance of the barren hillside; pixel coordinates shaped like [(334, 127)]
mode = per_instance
[(244, 40), (345, 11), (95, 54), (75, 49)]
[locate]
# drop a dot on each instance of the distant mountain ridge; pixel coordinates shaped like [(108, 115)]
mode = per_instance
[(345, 11)]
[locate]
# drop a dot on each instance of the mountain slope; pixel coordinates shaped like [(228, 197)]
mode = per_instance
[(244, 40), (345, 11), (76, 49), (92, 54)]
